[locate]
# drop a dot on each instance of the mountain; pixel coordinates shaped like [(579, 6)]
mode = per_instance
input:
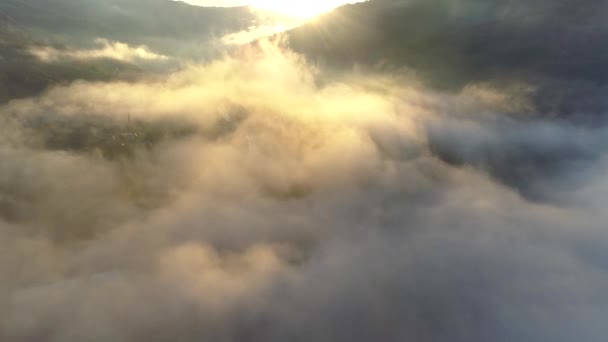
[(22, 74), (452, 42), (126, 18), (164, 27)]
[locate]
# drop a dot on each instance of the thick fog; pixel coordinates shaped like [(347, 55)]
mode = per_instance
[(255, 199)]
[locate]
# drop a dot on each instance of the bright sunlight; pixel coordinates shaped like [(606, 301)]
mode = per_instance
[(304, 9), (301, 9)]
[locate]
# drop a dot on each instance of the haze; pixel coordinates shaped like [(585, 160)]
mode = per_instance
[(392, 170)]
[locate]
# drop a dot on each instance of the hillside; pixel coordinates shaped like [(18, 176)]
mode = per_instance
[(165, 27), (124, 18), (22, 75), (450, 43)]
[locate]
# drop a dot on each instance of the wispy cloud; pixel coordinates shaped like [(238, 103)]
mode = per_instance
[(105, 49), (253, 33)]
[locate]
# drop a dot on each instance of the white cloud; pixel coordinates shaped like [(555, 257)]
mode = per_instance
[(252, 34), (106, 49), (260, 202)]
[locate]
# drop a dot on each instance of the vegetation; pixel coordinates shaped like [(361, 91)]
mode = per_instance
[(452, 43), (165, 26)]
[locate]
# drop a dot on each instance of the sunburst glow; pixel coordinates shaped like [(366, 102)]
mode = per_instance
[(304, 9)]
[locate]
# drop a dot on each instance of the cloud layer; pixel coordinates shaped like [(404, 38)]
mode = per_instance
[(253, 199)]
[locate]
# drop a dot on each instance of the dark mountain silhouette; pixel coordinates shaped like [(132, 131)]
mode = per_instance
[(450, 43)]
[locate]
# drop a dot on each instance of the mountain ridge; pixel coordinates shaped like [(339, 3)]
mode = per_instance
[(461, 41)]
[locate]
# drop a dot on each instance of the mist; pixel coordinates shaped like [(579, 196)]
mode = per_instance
[(390, 171), (256, 198)]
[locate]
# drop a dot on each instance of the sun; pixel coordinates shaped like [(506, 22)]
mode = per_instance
[(303, 9)]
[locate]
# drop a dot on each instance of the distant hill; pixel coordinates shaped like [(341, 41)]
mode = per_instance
[(164, 25), (451, 42), (21, 74)]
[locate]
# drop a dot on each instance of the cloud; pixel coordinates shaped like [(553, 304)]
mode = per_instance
[(255, 198), (105, 49), (252, 33)]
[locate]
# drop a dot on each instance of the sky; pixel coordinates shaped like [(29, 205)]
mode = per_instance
[(300, 8), (227, 3), (220, 3)]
